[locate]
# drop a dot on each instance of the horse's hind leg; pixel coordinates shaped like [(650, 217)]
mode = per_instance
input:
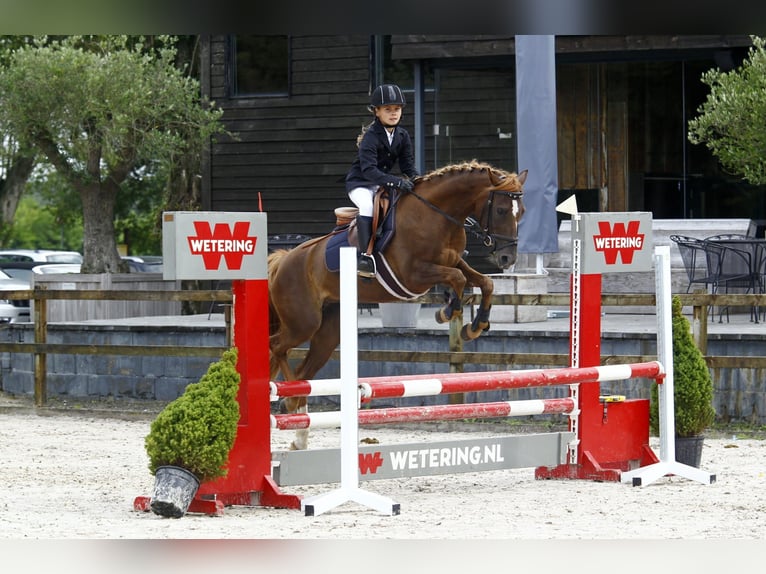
[(321, 347)]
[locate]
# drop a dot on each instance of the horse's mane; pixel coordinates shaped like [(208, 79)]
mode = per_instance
[(468, 166)]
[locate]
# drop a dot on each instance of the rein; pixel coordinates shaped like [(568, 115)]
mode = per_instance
[(436, 208), (472, 226)]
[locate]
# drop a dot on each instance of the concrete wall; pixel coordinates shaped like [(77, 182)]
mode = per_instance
[(160, 378), (739, 393)]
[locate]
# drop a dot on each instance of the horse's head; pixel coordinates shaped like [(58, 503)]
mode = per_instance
[(501, 215), (492, 213)]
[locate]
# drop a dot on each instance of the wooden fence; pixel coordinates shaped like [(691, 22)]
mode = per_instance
[(454, 357)]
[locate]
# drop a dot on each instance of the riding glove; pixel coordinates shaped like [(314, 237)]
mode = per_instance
[(405, 185)]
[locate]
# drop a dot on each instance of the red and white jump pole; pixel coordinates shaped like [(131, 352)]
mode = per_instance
[(498, 409), (439, 384)]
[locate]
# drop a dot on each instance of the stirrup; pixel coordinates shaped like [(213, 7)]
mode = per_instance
[(365, 265)]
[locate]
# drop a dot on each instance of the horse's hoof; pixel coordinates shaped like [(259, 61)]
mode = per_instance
[(294, 446), (467, 333), (439, 316)]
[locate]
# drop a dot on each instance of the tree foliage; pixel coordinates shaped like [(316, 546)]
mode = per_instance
[(100, 110), (732, 121), (16, 162), (48, 217)]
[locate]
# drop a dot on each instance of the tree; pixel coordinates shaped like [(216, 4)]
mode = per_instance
[(101, 109), (732, 121), (16, 163)]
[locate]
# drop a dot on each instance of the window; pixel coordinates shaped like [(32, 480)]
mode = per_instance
[(260, 65), (386, 70)]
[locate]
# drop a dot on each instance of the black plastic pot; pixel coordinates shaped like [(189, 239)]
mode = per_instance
[(689, 450), (174, 489)]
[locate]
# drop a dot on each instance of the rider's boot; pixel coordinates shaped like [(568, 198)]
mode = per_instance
[(365, 265)]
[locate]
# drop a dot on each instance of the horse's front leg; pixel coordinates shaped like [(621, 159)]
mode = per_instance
[(480, 322), (452, 309)]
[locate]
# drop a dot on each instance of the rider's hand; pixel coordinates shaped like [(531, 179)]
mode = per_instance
[(405, 185)]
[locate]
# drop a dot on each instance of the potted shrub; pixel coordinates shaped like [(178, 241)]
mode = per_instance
[(693, 392), (190, 439)]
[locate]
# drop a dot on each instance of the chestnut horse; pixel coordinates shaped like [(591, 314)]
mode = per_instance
[(425, 250)]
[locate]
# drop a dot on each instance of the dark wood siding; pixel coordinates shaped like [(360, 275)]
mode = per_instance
[(592, 110), (292, 150), (619, 107), (609, 47)]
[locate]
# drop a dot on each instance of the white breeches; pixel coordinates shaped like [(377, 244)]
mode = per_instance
[(362, 198)]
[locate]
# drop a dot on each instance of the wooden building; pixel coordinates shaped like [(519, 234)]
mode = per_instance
[(297, 103)]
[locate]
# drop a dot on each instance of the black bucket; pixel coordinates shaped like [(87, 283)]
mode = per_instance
[(174, 489)]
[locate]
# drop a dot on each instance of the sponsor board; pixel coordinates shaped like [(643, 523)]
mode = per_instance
[(378, 462), (214, 245), (614, 242)]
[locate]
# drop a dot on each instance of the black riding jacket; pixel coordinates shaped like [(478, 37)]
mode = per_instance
[(376, 158)]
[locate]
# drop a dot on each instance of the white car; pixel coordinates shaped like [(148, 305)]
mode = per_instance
[(17, 310), (47, 268), (41, 255)]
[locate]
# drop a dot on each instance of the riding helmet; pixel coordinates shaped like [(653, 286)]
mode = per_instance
[(387, 95)]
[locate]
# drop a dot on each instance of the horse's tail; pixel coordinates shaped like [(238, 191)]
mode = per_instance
[(272, 262)]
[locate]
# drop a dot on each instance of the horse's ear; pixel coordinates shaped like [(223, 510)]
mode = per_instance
[(523, 176)]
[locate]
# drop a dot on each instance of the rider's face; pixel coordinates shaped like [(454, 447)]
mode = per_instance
[(389, 116)]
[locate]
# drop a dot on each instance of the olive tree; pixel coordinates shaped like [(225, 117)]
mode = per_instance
[(16, 163), (732, 121), (99, 110)]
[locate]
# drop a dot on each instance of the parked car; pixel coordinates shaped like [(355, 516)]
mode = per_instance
[(21, 270), (143, 263), (41, 255), (16, 310), (21, 277), (48, 268)]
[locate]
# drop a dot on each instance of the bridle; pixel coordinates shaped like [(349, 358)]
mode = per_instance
[(473, 227), (488, 238)]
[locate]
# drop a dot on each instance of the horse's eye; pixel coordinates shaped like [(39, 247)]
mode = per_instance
[(502, 211)]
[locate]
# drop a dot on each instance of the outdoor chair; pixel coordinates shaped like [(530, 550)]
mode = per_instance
[(696, 262), (740, 259), (702, 263)]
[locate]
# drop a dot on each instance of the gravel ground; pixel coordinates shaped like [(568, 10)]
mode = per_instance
[(72, 471)]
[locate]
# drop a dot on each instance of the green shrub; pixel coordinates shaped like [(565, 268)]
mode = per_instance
[(692, 383), (197, 430)]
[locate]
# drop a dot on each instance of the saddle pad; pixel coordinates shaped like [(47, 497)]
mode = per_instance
[(385, 275), (332, 251)]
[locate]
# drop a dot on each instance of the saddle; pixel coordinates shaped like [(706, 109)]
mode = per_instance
[(383, 220)]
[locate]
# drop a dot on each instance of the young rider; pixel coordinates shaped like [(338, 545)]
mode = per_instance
[(381, 145)]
